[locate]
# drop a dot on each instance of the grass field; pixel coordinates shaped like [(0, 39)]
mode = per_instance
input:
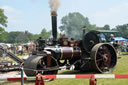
[(121, 68)]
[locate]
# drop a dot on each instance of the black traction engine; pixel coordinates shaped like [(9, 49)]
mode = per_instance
[(88, 54)]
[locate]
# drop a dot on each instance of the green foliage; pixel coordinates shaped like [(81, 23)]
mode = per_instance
[(72, 24), (45, 34), (3, 23), (35, 36), (106, 27), (123, 29), (3, 18), (11, 36), (94, 27), (23, 37), (28, 36), (2, 35), (19, 37)]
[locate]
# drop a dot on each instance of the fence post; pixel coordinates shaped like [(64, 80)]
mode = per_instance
[(93, 81), (40, 81), (22, 76)]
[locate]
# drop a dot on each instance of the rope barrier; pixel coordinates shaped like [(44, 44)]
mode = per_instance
[(39, 79), (88, 76), (92, 77), (96, 76)]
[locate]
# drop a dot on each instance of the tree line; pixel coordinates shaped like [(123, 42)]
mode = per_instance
[(71, 25), (23, 37)]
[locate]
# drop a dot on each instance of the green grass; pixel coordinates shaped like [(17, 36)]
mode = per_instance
[(121, 68), (76, 82)]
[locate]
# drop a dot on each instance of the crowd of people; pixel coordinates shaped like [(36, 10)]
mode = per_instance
[(20, 49), (120, 46)]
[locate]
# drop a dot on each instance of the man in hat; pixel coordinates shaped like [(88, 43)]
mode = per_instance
[(111, 39)]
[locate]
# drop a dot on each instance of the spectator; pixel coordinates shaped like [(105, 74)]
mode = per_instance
[(20, 50), (30, 48), (26, 48), (111, 39), (14, 49)]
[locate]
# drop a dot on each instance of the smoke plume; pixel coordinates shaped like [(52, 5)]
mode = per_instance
[(54, 5)]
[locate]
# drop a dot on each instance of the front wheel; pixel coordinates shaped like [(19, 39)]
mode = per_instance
[(35, 64)]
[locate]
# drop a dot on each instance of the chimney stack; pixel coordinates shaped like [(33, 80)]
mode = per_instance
[(54, 26)]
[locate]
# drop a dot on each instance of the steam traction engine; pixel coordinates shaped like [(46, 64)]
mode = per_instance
[(88, 54)]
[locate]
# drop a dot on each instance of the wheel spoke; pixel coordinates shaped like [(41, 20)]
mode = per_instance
[(102, 66), (98, 60), (103, 58)]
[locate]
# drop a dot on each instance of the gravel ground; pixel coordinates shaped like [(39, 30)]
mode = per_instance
[(9, 74)]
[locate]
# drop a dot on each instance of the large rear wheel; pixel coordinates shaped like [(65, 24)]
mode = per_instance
[(104, 58)]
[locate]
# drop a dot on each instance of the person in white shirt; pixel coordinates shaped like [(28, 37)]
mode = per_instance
[(20, 50)]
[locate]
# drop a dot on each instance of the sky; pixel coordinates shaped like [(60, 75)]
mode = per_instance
[(34, 15)]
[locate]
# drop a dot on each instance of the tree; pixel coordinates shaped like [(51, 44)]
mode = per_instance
[(123, 29), (28, 36), (45, 34), (3, 23), (94, 27), (19, 37), (35, 36), (72, 25), (106, 27), (3, 35), (3, 18), (11, 36)]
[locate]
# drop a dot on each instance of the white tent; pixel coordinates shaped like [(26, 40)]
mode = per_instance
[(120, 38)]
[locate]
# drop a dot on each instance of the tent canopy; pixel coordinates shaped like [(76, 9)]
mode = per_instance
[(120, 38)]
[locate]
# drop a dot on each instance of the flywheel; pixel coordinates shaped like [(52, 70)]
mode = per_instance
[(90, 39)]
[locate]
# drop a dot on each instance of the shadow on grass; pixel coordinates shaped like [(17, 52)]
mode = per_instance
[(124, 53), (75, 72), (32, 82)]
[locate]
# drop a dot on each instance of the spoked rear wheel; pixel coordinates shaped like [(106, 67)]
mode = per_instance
[(104, 58)]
